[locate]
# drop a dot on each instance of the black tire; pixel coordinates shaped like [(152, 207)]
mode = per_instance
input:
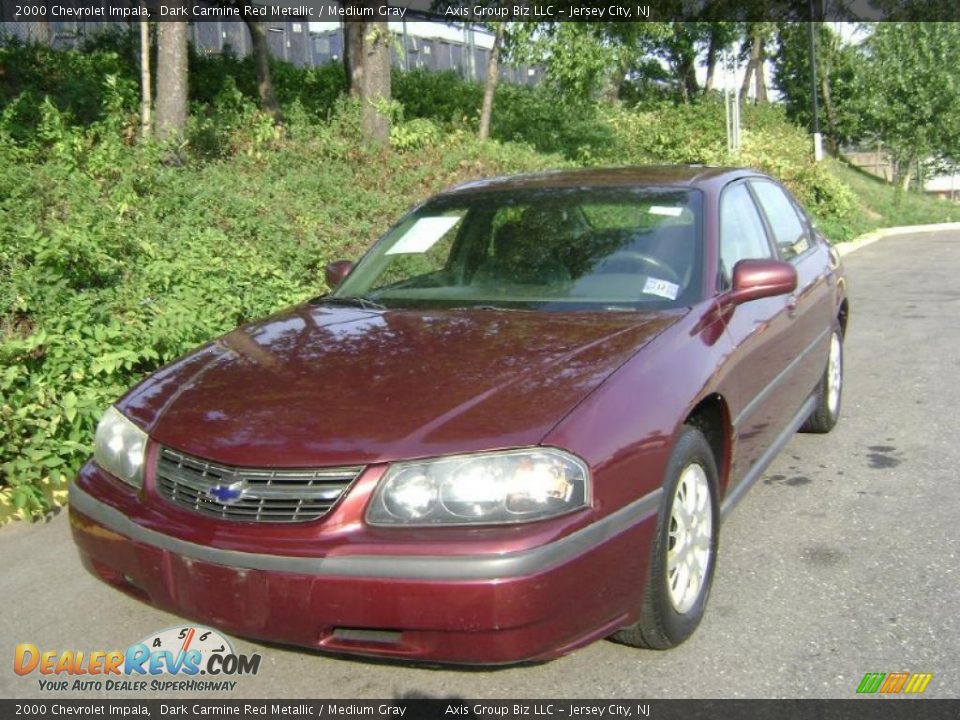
[(661, 625), (824, 415)]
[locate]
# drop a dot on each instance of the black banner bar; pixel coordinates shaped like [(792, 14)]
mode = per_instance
[(445, 709), (452, 11)]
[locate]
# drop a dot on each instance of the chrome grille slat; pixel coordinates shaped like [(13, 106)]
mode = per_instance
[(269, 494)]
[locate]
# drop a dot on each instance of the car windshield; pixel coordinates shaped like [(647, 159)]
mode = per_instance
[(559, 249)]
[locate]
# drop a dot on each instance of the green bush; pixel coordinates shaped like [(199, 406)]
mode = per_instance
[(114, 262), (696, 133)]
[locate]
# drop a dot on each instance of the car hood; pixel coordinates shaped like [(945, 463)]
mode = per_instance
[(321, 385)]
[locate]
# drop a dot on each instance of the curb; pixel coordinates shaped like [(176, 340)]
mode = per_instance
[(871, 237)]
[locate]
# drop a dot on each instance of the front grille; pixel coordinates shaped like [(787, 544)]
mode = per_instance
[(251, 495)]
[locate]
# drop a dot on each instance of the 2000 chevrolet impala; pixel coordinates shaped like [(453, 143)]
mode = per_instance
[(512, 428)]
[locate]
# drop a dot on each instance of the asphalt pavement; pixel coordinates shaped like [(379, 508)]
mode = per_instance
[(842, 560)]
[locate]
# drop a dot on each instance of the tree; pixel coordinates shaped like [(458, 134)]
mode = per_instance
[(171, 78), (367, 64), (501, 33), (261, 60), (836, 74), (680, 48), (490, 84), (720, 36), (909, 94), (146, 98), (754, 47), (353, 56), (587, 61), (576, 57)]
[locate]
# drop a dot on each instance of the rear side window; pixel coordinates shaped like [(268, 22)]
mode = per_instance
[(789, 232), (742, 236)]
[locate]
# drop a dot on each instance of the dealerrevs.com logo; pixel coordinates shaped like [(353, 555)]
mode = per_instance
[(170, 660)]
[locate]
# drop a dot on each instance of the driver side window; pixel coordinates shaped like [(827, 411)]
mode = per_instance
[(742, 235)]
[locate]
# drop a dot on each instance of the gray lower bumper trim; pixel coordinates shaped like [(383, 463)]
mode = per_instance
[(464, 567)]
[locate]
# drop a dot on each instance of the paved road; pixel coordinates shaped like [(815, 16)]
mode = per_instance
[(842, 560)]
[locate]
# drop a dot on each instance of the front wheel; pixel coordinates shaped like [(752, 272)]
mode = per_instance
[(829, 391), (684, 550)]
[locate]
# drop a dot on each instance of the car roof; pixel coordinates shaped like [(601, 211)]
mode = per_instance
[(703, 176)]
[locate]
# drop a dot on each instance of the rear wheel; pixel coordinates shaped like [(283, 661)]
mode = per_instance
[(829, 391), (684, 550)]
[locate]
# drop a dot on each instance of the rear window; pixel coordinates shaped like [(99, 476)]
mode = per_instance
[(789, 232)]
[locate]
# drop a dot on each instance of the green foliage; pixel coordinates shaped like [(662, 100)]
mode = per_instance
[(697, 134), (113, 262), (909, 92), (668, 133), (877, 204), (772, 144), (836, 62), (314, 89), (414, 134), (534, 116), (73, 80), (576, 56), (440, 96)]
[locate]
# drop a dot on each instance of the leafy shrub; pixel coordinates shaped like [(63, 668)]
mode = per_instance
[(114, 263), (314, 89), (441, 96), (669, 133), (72, 79), (414, 134)]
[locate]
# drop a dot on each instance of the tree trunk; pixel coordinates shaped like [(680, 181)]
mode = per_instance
[(43, 34), (691, 86), (761, 75), (833, 142), (375, 91), (261, 59), (171, 78), (490, 86), (612, 85), (906, 175), (353, 33), (146, 92), (711, 63), (686, 74), (755, 47), (747, 77)]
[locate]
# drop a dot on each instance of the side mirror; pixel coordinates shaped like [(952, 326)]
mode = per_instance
[(754, 279), (336, 272)]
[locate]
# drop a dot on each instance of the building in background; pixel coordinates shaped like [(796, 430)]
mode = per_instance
[(429, 45), (945, 187)]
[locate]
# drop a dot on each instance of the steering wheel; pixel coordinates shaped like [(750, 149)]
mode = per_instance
[(661, 269)]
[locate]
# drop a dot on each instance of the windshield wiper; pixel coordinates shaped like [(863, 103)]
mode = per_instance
[(350, 301)]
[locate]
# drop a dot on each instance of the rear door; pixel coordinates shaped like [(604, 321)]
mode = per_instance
[(810, 307)]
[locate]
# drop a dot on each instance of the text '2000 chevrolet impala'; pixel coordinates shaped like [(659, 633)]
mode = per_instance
[(512, 428)]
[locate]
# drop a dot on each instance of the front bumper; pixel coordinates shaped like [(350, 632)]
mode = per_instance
[(489, 608)]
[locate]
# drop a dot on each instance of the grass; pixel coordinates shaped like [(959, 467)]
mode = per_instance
[(879, 204)]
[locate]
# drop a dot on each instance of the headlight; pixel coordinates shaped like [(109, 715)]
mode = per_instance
[(119, 447), (502, 487)]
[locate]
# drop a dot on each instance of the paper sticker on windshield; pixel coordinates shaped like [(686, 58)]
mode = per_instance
[(661, 288), (425, 233), (665, 210)]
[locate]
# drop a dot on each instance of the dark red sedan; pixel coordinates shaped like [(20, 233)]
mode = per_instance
[(514, 427)]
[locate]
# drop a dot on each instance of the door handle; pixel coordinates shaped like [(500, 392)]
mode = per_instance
[(792, 305)]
